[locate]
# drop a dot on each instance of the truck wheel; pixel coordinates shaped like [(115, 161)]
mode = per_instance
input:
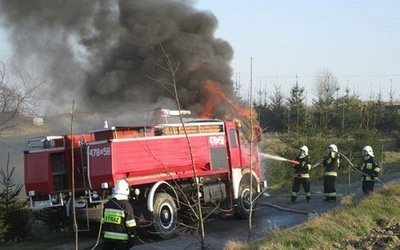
[(243, 203), (164, 215)]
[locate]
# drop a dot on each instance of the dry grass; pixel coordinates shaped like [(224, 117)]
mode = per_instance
[(339, 228)]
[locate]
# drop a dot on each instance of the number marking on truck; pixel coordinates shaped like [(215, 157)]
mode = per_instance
[(217, 140), (100, 151), (46, 203)]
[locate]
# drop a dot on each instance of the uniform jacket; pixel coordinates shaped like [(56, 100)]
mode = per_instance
[(118, 220), (331, 163), (371, 168), (301, 169)]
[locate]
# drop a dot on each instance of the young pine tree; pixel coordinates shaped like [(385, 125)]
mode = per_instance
[(14, 214)]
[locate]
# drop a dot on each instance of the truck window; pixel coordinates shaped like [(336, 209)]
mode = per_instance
[(58, 168), (232, 138)]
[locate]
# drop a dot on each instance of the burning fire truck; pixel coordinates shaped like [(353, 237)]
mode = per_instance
[(169, 166)]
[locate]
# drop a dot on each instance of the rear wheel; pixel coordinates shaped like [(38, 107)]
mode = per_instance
[(244, 200), (164, 216)]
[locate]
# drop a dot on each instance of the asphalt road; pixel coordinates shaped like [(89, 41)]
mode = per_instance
[(271, 213)]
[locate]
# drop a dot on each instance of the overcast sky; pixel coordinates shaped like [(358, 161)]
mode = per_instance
[(358, 41)]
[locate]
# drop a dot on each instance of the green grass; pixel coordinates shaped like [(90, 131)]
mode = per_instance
[(356, 217)]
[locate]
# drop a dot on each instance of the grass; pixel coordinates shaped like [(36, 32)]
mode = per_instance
[(356, 217)]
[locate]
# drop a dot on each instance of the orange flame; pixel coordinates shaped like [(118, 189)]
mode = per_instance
[(215, 96)]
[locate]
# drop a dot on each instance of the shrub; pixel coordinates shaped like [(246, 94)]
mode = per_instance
[(15, 215)]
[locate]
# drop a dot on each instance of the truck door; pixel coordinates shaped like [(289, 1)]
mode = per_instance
[(233, 146)]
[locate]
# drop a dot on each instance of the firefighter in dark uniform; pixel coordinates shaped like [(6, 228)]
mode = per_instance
[(118, 219), (302, 175), (331, 163), (370, 168)]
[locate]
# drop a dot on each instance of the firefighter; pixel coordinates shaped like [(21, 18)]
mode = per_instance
[(118, 219), (331, 163), (302, 175), (370, 168)]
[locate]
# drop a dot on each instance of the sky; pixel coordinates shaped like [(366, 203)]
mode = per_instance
[(276, 43)]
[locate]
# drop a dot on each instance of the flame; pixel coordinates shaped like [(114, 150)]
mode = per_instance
[(216, 95), (243, 116)]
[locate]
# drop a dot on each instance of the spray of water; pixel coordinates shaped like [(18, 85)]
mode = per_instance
[(277, 158)]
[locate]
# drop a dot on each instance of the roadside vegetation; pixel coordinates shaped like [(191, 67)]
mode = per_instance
[(359, 223), (279, 174), (15, 221), (17, 100)]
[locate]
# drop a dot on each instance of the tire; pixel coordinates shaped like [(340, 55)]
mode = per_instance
[(243, 202), (164, 216)]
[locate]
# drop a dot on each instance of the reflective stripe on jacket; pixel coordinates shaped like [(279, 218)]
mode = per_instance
[(301, 169), (331, 163), (118, 220), (115, 236), (371, 168), (330, 173)]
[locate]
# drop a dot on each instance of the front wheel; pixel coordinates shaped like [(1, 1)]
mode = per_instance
[(247, 195), (164, 216)]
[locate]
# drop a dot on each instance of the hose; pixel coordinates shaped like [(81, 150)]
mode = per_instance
[(312, 214), (357, 170)]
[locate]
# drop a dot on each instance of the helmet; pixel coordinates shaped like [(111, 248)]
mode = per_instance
[(367, 151), (303, 151), (333, 147), (121, 188)]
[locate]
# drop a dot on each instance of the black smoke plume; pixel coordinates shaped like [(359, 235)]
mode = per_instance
[(104, 54)]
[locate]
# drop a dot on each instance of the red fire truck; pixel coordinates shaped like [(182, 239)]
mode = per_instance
[(169, 166)]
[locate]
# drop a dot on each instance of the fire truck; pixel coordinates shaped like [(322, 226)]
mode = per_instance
[(170, 166)]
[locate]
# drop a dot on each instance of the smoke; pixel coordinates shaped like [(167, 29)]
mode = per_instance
[(106, 55)]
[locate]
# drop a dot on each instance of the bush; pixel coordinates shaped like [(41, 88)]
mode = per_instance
[(280, 174), (14, 215), (3, 229), (18, 223), (54, 218)]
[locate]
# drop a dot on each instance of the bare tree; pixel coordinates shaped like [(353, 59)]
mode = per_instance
[(171, 87), (17, 89)]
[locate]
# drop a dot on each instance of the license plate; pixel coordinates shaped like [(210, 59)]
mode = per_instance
[(46, 203)]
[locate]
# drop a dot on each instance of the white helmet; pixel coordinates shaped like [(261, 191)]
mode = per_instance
[(121, 188), (333, 147), (367, 151), (303, 151)]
